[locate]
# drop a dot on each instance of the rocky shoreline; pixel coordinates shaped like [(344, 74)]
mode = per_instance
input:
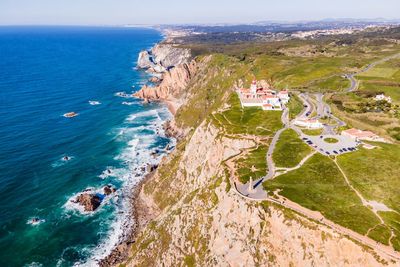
[(172, 71)]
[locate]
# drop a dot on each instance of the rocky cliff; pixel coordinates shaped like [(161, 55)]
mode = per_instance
[(200, 220), (162, 57), (190, 214), (172, 85)]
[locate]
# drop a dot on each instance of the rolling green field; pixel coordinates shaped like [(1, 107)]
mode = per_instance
[(289, 150), (383, 78), (318, 185), (251, 121), (374, 173)]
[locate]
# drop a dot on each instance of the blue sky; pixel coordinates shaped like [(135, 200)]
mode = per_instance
[(117, 12)]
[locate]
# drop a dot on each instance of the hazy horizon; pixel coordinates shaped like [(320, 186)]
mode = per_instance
[(135, 12)]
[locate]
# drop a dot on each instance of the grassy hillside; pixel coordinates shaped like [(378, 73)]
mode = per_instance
[(290, 150), (319, 185)]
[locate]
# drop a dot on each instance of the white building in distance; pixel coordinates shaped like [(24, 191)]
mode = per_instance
[(382, 97)]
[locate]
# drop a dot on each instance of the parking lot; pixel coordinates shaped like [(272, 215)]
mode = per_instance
[(343, 145)]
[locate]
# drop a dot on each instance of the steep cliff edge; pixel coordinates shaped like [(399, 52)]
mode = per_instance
[(190, 213), (201, 221), (172, 85), (162, 57)]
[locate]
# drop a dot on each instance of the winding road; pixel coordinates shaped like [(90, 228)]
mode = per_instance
[(256, 192), (353, 81)]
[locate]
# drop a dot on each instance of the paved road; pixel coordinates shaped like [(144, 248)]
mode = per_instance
[(353, 81), (308, 105), (258, 193)]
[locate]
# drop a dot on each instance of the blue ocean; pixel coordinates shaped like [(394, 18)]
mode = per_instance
[(47, 159)]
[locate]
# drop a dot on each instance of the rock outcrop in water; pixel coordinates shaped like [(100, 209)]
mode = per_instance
[(89, 201), (162, 57)]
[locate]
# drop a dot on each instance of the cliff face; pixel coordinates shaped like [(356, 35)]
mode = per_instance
[(200, 220), (190, 214), (162, 57), (172, 84)]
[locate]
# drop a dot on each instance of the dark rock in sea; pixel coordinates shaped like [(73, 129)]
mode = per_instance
[(90, 202), (108, 190)]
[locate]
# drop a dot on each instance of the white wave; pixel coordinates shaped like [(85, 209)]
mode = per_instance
[(94, 103), (128, 103), (62, 161), (136, 156), (71, 205), (131, 117)]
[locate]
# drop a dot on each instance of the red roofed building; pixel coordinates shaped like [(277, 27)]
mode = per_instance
[(258, 96), (362, 135)]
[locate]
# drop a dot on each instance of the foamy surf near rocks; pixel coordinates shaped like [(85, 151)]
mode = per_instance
[(91, 200), (162, 57)]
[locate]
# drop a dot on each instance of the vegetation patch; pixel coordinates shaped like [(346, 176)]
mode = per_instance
[(253, 164), (375, 173), (319, 185), (289, 150), (313, 132), (295, 106), (249, 121), (331, 140)]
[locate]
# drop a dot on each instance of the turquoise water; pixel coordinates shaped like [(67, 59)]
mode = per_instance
[(44, 73)]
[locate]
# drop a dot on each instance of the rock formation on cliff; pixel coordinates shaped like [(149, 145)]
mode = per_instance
[(172, 85), (162, 57)]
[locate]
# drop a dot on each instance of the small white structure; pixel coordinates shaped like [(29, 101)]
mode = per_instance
[(357, 134), (382, 97), (308, 123), (266, 98), (284, 96)]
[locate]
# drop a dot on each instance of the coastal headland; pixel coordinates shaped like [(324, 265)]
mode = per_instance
[(319, 210)]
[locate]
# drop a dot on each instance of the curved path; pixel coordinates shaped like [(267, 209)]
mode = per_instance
[(353, 81), (257, 193)]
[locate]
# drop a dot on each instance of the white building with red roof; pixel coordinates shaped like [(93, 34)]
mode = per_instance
[(266, 98), (358, 134)]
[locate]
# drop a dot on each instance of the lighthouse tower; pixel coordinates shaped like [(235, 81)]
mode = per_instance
[(253, 87)]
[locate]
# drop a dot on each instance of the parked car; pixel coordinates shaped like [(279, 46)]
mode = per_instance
[(334, 151)]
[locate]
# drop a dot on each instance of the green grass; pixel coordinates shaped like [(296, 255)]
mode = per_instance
[(252, 120), (331, 140), (392, 219), (334, 83), (312, 131), (256, 158), (379, 72), (295, 106), (383, 78), (289, 150), (380, 233), (319, 185), (375, 173)]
